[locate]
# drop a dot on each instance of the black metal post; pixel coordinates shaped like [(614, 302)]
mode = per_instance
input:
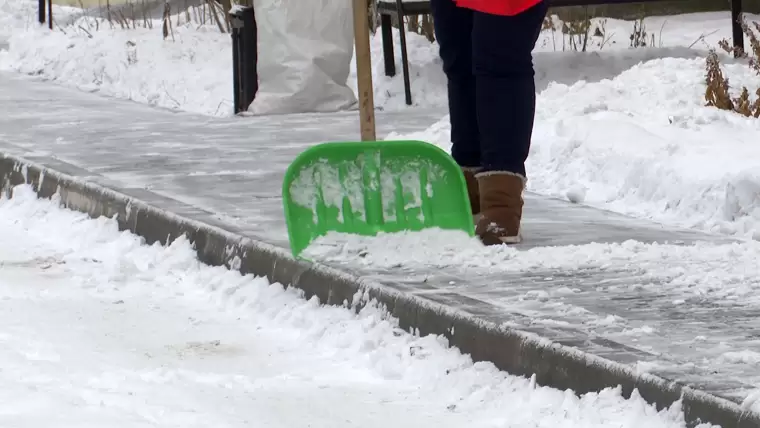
[(404, 57), (386, 29), (736, 27), (235, 23), (50, 14), (244, 57), (41, 11)]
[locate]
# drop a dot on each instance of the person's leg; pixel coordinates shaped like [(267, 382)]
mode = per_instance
[(453, 29), (506, 103), (506, 90)]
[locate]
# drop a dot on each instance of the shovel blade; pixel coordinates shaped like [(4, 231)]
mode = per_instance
[(366, 188)]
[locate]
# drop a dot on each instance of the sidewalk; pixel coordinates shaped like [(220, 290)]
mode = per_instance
[(229, 171)]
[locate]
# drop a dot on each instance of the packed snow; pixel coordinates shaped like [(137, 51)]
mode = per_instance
[(98, 329), (720, 273)]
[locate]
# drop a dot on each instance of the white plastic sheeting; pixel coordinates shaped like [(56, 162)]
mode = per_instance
[(305, 53)]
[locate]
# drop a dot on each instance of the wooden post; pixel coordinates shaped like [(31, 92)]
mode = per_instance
[(364, 71)]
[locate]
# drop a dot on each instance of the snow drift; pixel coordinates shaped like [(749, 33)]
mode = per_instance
[(644, 144), (305, 56)]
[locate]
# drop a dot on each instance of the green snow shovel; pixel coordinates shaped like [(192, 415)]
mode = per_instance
[(370, 187)]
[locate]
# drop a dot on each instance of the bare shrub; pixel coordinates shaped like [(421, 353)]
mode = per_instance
[(136, 14), (578, 34), (717, 87)]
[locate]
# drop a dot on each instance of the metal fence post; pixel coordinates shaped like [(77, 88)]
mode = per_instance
[(41, 11), (244, 57), (736, 27), (45, 12)]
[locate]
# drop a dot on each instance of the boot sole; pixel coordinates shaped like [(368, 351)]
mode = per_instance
[(491, 239)]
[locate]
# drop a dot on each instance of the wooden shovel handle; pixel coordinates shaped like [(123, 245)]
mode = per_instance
[(364, 71)]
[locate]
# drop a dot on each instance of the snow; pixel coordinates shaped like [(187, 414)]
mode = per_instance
[(21, 16), (191, 70), (330, 185), (682, 36), (98, 329), (236, 9), (719, 272), (643, 144), (619, 128), (192, 73)]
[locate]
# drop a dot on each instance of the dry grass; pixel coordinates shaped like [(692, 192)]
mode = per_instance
[(88, 3), (581, 32), (717, 87), (134, 14), (421, 24), (578, 31), (639, 37)]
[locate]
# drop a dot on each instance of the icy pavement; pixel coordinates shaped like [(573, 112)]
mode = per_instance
[(97, 330), (660, 308)]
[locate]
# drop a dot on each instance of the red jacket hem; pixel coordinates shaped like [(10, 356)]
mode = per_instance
[(498, 7)]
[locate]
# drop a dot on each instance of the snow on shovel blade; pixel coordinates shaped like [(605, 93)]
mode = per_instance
[(370, 187)]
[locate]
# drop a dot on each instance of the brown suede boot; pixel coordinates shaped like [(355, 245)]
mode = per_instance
[(473, 189), (501, 205)]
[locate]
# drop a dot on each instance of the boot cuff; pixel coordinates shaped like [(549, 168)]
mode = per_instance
[(514, 174)]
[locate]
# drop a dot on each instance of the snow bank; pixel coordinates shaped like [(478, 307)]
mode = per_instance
[(154, 335), (21, 15), (608, 54), (192, 70), (304, 58), (643, 144)]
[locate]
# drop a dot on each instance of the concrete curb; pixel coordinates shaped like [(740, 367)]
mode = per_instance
[(512, 351)]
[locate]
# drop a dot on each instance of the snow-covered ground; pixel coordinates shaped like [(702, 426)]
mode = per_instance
[(618, 128), (154, 338), (643, 144), (192, 69), (624, 130), (607, 55), (691, 307), (97, 329), (192, 73)]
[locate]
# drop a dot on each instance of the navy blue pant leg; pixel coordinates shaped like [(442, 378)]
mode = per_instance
[(453, 30), (502, 48)]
